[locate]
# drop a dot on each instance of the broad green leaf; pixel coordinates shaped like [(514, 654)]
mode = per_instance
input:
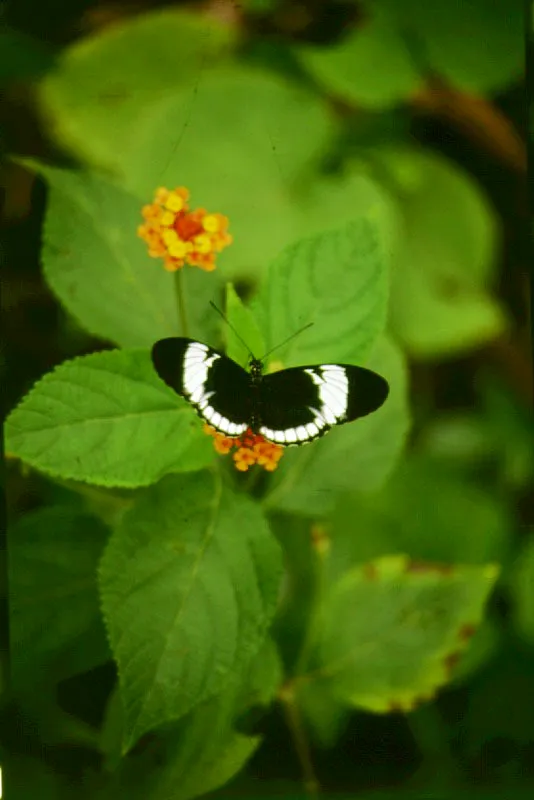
[(97, 97), (324, 712), (390, 628), (203, 750), (107, 419), (239, 140), (442, 204), (216, 768), (371, 66), (210, 751), (263, 679), (189, 584), (474, 44), (265, 127), (101, 271), (357, 456), (432, 319), (339, 281), (328, 202), (444, 259), (55, 621), (242, 320), (426, 511)]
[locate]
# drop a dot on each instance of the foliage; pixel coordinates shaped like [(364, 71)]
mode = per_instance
[(363, 575)]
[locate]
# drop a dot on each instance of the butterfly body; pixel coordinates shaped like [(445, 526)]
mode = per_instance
[(290, 407)]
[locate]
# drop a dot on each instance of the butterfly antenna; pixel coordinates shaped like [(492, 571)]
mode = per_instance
[(218, 310), (300, 330)]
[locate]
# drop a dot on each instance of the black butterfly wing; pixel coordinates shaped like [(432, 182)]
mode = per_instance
[(217, 387), (300, 404)]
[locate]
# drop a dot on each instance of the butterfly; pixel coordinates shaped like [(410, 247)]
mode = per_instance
[(291, 407)]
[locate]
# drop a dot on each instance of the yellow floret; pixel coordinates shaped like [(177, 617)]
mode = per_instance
[(170, 237), (167, 218), (174, 202), (179, 249), (210, 223), (202, 243)]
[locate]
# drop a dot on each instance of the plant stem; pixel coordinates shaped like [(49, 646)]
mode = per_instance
[(180, 300), (294, 723)]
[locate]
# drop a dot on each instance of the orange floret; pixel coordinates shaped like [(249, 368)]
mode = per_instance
[(250, 448), (180, 236)]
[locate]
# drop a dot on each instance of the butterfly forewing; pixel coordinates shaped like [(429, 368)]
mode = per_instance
[(300, 404), (217, 387)]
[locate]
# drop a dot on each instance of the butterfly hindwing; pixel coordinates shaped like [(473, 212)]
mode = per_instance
[(217, 387), (300, 404)]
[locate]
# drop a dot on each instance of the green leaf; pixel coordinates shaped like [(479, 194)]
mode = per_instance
[(324, 712), (268, 138), (475, 44), (216, 766), (267, 134), (210, 751), (339, 281), (265, 127), (189, 584), (444, 258), (96, 96), (390, 628), (242, 319), (264, 677), (203, 750), (101, 271), (371, 66), (330, 201), (426, 511), (356, 456), (107, 419), (55, 622)]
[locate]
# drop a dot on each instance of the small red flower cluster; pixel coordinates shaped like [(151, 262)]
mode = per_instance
[(250, 448), (180, 236)]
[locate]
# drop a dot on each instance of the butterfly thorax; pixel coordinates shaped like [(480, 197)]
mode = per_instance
[(256, 373), (256, 369)]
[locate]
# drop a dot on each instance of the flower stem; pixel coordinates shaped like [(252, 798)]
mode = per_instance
[(180, 300)]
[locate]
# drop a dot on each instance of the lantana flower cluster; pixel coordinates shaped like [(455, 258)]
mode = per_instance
[(250, 448), (181, 236)]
